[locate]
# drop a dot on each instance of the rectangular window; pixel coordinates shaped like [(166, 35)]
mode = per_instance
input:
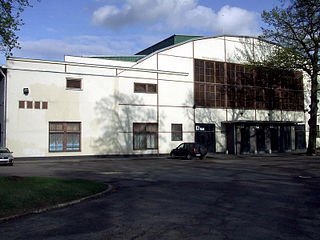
[(44, 105), (37, 105), (29, 104), (145, 136), (145, 88), (240, 86), (318, 131), (64, 136), (21, 104), (73, 83), (176, 132)]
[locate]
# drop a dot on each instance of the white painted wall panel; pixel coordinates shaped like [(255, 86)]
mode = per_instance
[(209, 49), (175, 93), (183, 50), (175, 64), (91, 70)]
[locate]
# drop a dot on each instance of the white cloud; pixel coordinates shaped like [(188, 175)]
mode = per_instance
[(177, 15)]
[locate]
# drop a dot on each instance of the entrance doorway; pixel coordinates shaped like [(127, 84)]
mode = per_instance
[(274, 138), (260, 139), (205, 135), (245, 139)]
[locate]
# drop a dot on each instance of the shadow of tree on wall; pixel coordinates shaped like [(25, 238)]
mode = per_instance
[(115, 115)]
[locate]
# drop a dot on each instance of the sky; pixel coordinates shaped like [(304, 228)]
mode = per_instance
[(54, 28)]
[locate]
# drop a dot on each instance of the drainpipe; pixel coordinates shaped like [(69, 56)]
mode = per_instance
[(4, 127)]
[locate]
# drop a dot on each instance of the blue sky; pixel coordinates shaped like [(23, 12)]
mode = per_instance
[(54, 28)]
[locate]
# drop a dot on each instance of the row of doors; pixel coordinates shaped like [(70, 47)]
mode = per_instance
[(280, 137)]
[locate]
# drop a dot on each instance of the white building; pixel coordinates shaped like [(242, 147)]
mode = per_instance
[(183, 89)]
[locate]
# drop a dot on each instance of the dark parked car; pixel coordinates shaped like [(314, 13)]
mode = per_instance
[(6, 156), (189, 151)]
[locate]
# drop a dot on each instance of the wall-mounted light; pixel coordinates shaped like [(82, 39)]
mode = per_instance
[(25, 91)]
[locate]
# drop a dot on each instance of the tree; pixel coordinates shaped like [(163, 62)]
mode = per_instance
[(295, 29), (10, 22)]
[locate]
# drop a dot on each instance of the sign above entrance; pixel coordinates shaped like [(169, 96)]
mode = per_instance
[(198, 128)]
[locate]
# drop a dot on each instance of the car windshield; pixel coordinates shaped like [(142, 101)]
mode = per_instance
[(4, 150)]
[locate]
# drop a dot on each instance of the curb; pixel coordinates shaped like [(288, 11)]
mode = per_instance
[(60, 205)]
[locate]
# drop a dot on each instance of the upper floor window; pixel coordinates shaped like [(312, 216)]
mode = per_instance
[(74, 83), (145, 88)]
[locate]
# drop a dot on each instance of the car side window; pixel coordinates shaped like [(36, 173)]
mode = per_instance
[(181, 146), (187, 146)]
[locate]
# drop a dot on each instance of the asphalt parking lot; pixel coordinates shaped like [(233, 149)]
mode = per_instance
[(222, 197)]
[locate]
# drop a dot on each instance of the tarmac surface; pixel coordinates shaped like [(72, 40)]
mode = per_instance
[(223, 197)]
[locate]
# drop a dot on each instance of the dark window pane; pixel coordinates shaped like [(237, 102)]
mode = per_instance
[(74, 83), (55, 126), (152, 88), (73, 127), (29, 104), (140, 87), (176, 132), (37, 105), (21, 104), (44, 105)]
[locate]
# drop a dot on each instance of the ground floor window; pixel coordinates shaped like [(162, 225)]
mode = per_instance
[(64, 136), (176, 132), (145, 136)]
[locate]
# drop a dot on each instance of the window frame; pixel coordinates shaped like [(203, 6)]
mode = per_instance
[(64, 131), (37, 105), (22, 104), (147, 87), (175, 133), (145, 133), (29, 104), (75, 80), (230, 85), (44, 105)]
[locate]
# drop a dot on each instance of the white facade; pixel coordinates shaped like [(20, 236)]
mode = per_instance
[(106, 106)]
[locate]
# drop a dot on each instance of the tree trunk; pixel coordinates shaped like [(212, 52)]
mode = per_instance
[(312, 144)]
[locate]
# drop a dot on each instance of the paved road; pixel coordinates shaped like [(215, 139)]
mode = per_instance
[(221, 198)]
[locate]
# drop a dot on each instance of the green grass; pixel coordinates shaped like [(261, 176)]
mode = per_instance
[(23, 194)]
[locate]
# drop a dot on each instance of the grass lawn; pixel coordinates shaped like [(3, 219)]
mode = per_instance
[(23, 194)]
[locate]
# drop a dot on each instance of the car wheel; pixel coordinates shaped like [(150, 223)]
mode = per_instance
[(203, 157), (189, 156), (172, 155), (10, 164)]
